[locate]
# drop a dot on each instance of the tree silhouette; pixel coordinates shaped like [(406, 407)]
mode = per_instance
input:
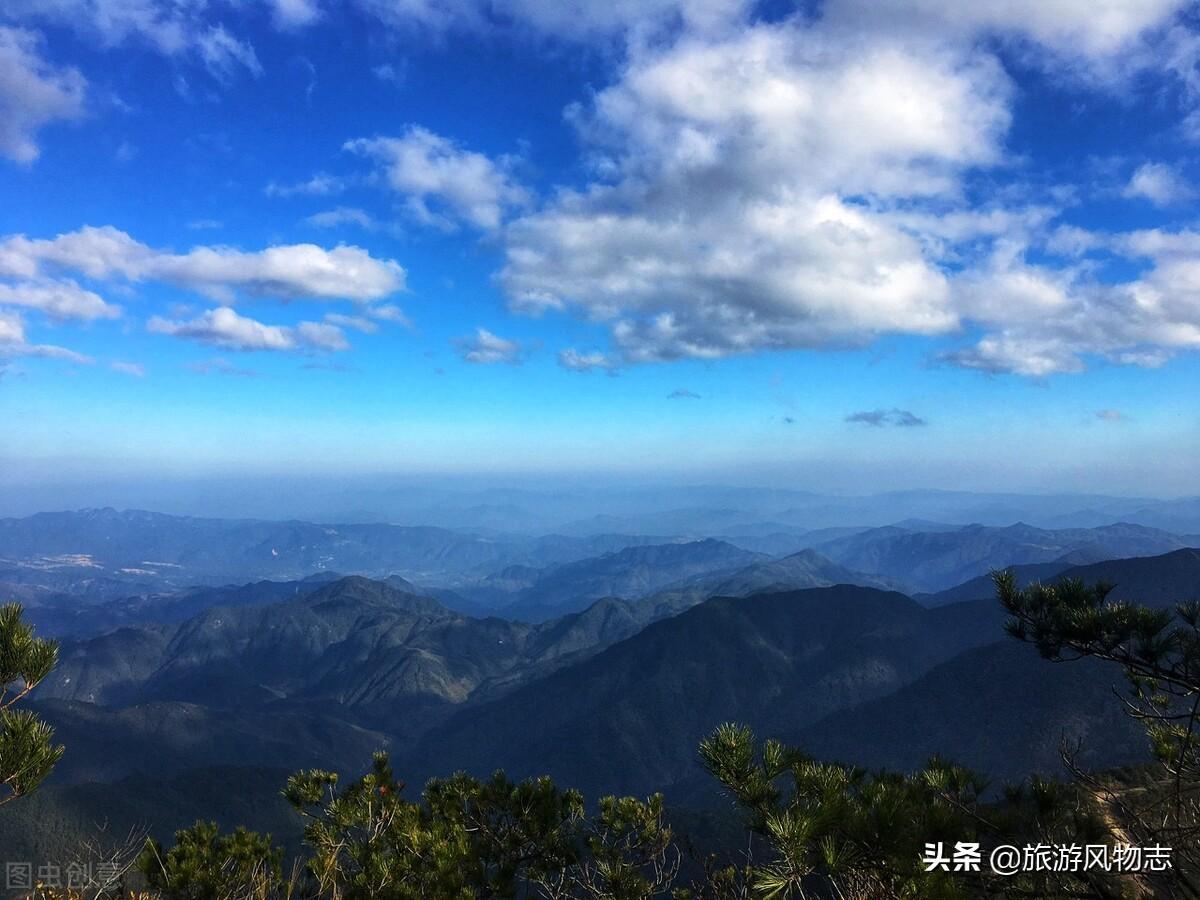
[(1159, 650), (27, 751)]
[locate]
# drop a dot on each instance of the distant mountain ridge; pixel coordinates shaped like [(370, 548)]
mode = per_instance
[(631, 572), (181, 550), (937, 560), (1161, 581)]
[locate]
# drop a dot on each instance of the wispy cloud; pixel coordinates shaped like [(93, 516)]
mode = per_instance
[(33, 93), (222, 327), (683, 394), (221, 366), (585, 361), (486, 348), (137, 370), (342, 215), (878, 418), (320, 185), (14, 342)]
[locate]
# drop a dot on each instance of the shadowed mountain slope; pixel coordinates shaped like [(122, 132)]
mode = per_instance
[(630, 718), (999, 709), (1161, 581)]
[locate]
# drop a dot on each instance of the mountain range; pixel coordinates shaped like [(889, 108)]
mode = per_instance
[(606, 693)]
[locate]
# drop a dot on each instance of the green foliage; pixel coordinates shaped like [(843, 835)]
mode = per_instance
[(470, 838), (837, 831), (206, 865), (1159, 650), (27, 749)]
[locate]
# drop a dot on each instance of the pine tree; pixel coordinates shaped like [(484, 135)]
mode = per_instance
[(206, 864), (1159, 650), (27, 751)]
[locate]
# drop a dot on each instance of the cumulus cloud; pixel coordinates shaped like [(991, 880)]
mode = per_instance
[(285, 271), (137, 370), (223, 327), (443, 183), (585, 361), (1159, 183), (33, 94), (683, 394), (801, 183), (878, 418), (485, 348), (1060, 317), (62, 299), (723, 219)]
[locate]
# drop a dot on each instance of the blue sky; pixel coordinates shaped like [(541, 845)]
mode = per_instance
[(821, 246)]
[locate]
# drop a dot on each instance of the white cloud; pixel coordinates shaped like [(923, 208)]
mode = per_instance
[(389, 73), (165, 26), (386, 312), (321, 336), (13, 343), (224, 55), (174, 28), (358, 323), (342, 215), (1040, 320), (58, 299), (579, 361), (486, 348), (1076, 28), (292, 14), (286, 271), (33, 93), (799, 184), (1028, 354), (223, 327), (1110, 415), (137, 370), (1159, 183), (721, 220), (444, 183), (320, 185), (574, 19)]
